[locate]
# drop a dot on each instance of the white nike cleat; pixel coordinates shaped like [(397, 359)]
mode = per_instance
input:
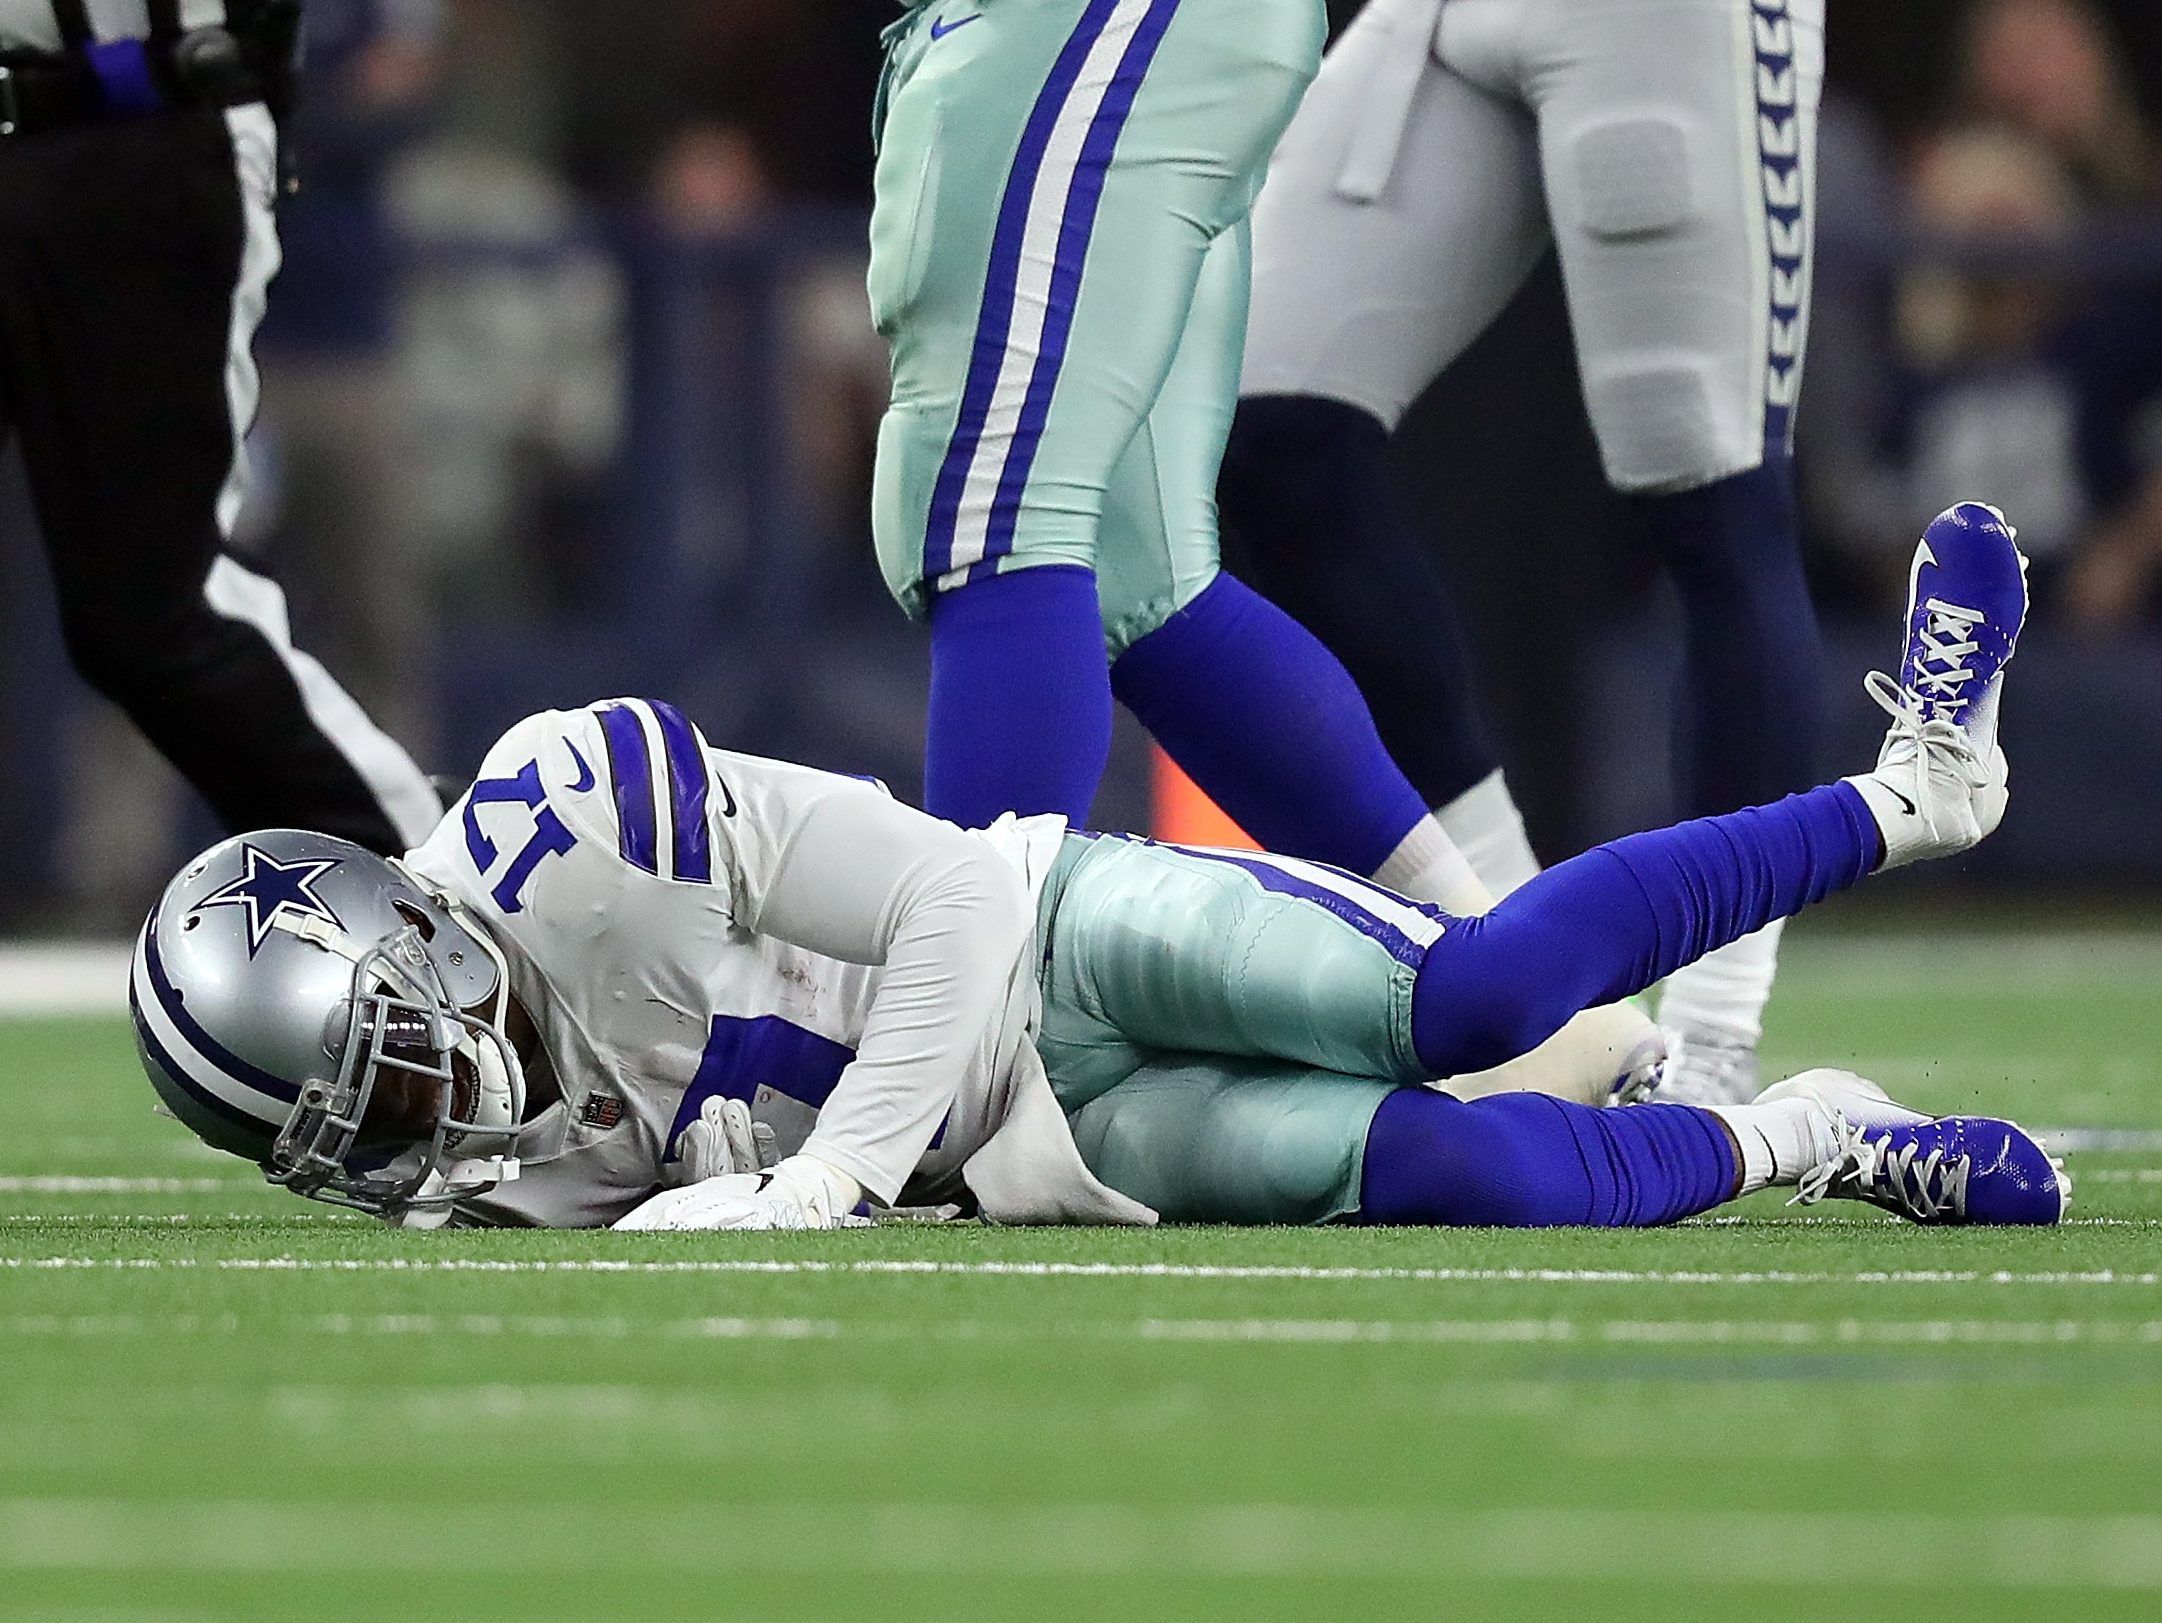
[(1939, 787), (1843, 1093), (1928, 1169), (1703, 1069)]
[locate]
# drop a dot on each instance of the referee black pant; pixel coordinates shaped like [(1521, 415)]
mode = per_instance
[(135, 259)]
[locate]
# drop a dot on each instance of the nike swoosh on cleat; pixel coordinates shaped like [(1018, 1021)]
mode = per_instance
[(1912, 809), (940, 28), (585, 773)]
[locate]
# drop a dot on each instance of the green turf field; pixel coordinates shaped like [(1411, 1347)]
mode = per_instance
[(217, 1403)]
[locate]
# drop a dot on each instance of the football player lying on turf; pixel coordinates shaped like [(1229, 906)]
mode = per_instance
[(628, 974)]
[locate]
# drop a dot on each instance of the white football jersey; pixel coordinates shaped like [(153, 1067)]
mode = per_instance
[(682, 922)]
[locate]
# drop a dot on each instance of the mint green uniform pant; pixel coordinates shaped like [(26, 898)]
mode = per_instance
[(1059, 258), (1220, 1027)]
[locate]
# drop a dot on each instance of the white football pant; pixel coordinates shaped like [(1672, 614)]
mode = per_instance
[(1667, 147)]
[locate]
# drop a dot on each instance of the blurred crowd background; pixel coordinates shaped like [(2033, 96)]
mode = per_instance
[(571, 391)]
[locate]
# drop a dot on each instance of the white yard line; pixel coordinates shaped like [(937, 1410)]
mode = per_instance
[(1085, 1270), (2090, 1140), (1666, 1546), (1655, 1332), (55, 1184)]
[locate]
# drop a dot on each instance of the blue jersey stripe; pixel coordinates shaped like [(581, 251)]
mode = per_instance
[(687, 795), (994, 321), (1282, 882), (215, 1053), (630, 772), (1076, 228)]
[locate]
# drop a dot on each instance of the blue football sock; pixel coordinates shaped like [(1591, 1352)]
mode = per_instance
[(1020, 714), (1271, 727), (1308, 494), (1523, 1160), (1749, 705), (1609, 923)]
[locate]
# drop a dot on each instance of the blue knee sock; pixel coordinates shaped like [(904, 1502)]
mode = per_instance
[(1749, 706), (1020, 698), (1523, 1160), (1310, 499), (1271, 727), (1609, 923)]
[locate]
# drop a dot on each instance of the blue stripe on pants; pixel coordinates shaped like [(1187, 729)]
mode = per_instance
[(994, 323), (1075, 232)]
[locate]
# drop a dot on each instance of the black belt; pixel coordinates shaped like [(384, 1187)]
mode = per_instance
[(44, 91)]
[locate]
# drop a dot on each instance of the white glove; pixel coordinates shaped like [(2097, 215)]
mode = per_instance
[(801, 1193), (722, 1140)]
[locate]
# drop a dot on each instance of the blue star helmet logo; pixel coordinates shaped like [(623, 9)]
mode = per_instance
[(271, 890)]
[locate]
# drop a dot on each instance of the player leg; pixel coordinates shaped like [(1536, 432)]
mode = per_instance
[(1402, 212), (1679, 163), (132, 388), (1202, 1139), (1171, 947), (1210, 1140), (1052, 175), (1261, 715)]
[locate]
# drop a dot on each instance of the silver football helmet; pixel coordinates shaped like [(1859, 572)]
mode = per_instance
[(311, 1006)]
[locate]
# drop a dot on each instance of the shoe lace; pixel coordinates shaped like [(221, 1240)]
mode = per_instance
[(1944, 644), (1923, 732), (1929, 1188)]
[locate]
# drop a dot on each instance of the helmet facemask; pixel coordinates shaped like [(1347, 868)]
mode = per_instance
[(401, 1027)]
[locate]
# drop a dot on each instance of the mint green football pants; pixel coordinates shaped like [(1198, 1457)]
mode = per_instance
[(1059, 259), (1221, 1026)]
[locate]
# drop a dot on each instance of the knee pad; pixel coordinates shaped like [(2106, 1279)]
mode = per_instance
[(1676, 395), (1665, 428), (1598, 1054), (1633, 177)]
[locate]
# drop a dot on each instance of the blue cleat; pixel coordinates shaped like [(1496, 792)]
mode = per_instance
[(1939, 785), (1932, 1169)]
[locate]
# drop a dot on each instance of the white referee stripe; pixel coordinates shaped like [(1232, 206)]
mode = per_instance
[(1089, 1270), (240, 594), (1032, 284), (255, 160), (408, 800)]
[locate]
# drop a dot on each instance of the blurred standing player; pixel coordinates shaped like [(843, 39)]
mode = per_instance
[(139, 174), (1667, 149), (1060, 259)]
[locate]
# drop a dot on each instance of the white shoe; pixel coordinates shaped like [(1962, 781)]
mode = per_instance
[(1607, 1055), (1703, 1069), (1843, 1093), (1940, 782), (1928, 1169)]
